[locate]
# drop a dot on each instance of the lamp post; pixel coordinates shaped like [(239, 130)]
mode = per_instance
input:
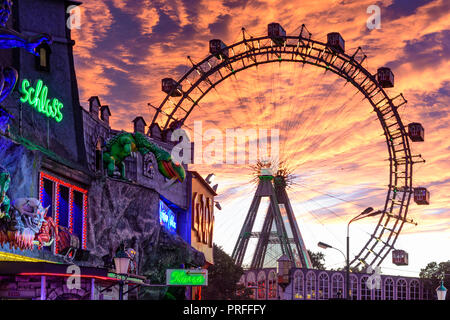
[(283, 271), (122, 262), (368, 212), (441, 291)]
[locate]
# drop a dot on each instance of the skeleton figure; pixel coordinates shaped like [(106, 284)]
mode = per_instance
[(26, 220), (48, 233), (12, 39)]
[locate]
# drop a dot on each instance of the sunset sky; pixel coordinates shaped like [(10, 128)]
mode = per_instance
[(328, 133)]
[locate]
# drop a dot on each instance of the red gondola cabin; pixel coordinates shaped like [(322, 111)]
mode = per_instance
[(416, 132), (336, 42), (421, 196), (385, 77), (171, 87), (276, 32), (400, 257), (218, 48)]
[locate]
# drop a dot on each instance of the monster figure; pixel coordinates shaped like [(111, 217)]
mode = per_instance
[(124, 144), (13, 39), (47, 234), (26, 220), (5, 180)]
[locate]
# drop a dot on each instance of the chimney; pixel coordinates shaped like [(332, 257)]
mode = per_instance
[(155, 131), (94, 106), (139, 124), (105, 114)]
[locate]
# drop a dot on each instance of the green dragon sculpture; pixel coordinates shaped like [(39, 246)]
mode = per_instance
[(123, 144), (5, 204)]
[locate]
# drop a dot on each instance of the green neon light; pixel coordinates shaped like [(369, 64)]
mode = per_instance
[(37, 98), (181, 277)]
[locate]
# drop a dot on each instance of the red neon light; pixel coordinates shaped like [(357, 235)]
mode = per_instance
[(64, 183), (71, 210), (57, 212), (83, 242), (64, 275), (71, 187)]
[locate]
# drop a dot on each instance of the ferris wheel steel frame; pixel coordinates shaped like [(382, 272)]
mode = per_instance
[(251, 52)]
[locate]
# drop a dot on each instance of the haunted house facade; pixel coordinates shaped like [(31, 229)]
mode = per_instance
[(51, 150)]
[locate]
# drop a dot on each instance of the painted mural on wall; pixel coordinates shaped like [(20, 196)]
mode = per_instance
[(12, 39), (27, 225), (124, 144), (24, 223)]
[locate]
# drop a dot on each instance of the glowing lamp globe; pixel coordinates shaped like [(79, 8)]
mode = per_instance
[(121, 261), (441, 291)]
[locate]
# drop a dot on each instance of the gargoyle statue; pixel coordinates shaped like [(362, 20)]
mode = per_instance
[(124, 144)]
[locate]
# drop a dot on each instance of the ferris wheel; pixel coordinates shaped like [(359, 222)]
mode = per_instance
[(325, 59)]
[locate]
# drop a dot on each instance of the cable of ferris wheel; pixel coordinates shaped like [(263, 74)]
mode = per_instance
[(305, 205), (319, 137), (302, 123), (328, 195), (339, 217), (309, 132), (340, 113)]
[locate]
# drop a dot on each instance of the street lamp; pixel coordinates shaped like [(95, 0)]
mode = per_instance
[(368, 212), (324, 245), (283, 271), (441, 291), (122, 262)]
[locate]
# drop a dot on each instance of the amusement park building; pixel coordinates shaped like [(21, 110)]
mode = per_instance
[(53, 153), (312, 284)]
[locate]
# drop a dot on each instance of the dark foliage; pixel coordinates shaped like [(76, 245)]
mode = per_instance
[(223, 278), (433, 273)]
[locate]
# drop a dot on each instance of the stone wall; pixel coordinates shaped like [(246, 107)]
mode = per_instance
[(23, 166), (124, 211)]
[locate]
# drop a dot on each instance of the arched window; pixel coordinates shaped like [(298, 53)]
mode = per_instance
[(388, 289), (414, 290), (272, 285), (310, 285), (353, 287), (401, 289), (337, 286), (251, 283), (377, 293), (324, 286), (261, 285), (299, 287), (365, 291)]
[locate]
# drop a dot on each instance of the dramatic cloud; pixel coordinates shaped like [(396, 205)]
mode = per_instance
[(328, 131)]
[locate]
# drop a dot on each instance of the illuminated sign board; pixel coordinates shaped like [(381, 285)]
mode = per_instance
[(167, 217), (186, 277), (203, 218), (36, 97)]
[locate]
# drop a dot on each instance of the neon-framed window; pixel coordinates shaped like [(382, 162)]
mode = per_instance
[(68, 206)]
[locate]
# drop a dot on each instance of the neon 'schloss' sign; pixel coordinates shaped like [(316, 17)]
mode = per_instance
[(37, 98)]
